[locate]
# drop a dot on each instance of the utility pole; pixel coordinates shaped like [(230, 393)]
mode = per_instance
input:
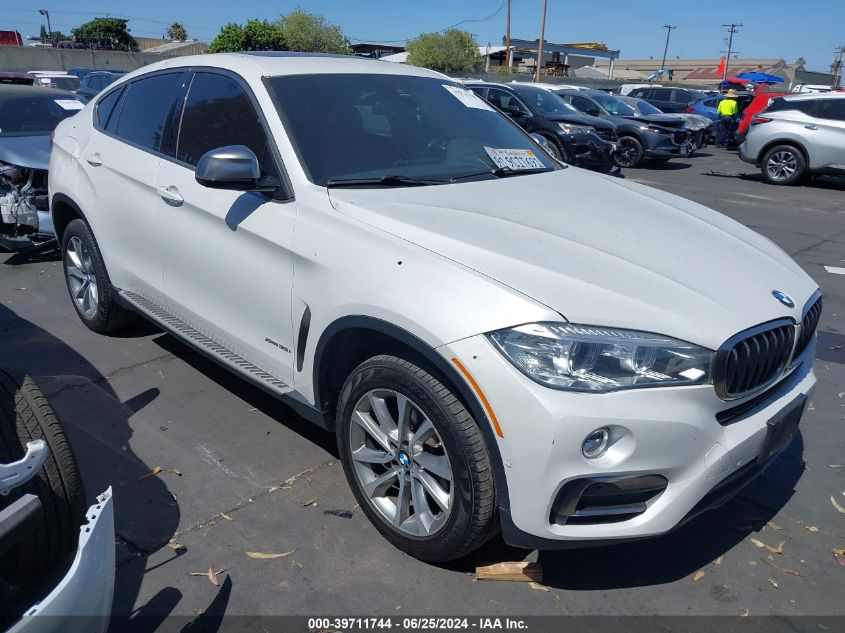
[(836, 67), (540, 45), (731, 30), (508, 38), (46, 14), (666, 48)]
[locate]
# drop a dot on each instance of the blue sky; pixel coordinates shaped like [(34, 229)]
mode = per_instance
[(774, 28)]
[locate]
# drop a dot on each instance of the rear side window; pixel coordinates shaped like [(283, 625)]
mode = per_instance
[(145, 109), (661, 94), (833, 109), (105, 107), (711, 103), (641, 93), (219, 113)]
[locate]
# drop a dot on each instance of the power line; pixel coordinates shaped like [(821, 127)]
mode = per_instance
[(467, 21)]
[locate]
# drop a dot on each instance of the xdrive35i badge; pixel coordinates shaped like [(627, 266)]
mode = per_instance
[(784, 298)]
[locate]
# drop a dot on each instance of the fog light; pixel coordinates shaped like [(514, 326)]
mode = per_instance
[(595, 444)]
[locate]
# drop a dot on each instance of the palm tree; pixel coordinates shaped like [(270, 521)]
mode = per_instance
[(177, 32)]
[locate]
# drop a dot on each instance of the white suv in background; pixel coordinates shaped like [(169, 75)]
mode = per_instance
[(796, 136), (498, 340)]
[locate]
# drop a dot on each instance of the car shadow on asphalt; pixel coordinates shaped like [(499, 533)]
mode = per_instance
[(267, 403), (99, 427), (832, 183)]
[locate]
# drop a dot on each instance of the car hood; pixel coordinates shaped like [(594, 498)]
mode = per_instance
[(26, 151), (580, 119), (596, 249), (666, 120)]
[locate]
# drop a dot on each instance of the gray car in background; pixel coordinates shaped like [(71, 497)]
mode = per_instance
[(797, 136)]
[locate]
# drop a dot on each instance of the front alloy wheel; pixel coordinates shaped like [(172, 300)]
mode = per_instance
[(415, 459), (630, 153), (400, 462)]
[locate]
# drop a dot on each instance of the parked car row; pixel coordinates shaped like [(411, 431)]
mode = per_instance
[(594, 129), (85, 82), (499, 341)]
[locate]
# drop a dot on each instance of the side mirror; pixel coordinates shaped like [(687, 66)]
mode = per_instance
[(233, 167)]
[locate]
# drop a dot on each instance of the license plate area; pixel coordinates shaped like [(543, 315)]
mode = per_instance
[(782, 428)]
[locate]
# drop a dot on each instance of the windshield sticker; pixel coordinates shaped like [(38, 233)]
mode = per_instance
[(69, 104), (468, 97), (515, 159)]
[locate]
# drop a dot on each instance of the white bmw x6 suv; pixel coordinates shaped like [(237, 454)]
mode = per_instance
[(499, 341)]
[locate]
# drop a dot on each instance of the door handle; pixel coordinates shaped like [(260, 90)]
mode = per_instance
[(171, 195), (93, 159), (810, 126)]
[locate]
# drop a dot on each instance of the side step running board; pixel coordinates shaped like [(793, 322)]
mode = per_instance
[(204, 344)]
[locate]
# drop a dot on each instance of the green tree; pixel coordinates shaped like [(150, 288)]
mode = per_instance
[(111, 31), (452, 51), (256, 35), (304, 31), (43, 34), (177, 32)]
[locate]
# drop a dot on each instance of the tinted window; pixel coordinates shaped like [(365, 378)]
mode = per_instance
[(504, 100), (681, 96), (98, 82), (105, 107), (642, 93), (711, 103), (426, 128), (661, 94), (543, 101), (219, 113), (145, 109), (582, 103), (831, 109)]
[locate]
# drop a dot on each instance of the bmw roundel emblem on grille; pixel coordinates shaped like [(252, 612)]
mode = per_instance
[(784, 298)]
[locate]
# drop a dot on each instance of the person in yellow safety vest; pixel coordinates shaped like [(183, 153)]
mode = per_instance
[(727, 110)]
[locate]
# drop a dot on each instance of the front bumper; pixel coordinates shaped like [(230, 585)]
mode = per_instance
[(664, 146), (82, 600), (671, 432)]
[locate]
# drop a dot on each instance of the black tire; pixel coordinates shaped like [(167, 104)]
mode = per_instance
[(787, 156), (109, 315), (557, 151), (631, 152), (472, 519), (25, 415)]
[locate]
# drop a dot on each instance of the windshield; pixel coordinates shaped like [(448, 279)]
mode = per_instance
[(615, 106), (33, 115), (644, 107), (544, 102), (361, 127)]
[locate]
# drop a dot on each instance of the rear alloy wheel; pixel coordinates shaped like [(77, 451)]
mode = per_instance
[(630, 153), (88, 282), (783, 165), (415, 459)]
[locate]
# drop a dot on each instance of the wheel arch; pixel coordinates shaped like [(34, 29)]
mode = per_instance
[(784, 141), (350, 340), (64, 211)]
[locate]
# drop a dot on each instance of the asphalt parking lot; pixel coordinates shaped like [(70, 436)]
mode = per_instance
[(240, 472)]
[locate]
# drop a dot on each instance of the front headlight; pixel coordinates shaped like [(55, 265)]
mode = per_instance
[(655, 130), (587, 358), (576, 129)]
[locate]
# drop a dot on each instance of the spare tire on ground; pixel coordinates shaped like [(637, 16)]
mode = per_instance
[(25, 415)]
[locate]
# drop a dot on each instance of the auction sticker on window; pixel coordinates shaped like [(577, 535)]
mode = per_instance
[(468, 97), (515, 159), (69, 104)]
